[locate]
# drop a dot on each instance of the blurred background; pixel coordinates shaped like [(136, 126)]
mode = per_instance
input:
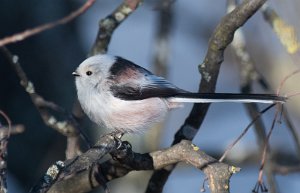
[(49, 59)]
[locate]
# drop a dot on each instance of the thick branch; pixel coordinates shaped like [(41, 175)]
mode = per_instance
[(217, 173), (58, 179), (218, 42), (108, 25)]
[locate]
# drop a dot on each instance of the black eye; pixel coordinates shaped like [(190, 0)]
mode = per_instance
[(89, 73)]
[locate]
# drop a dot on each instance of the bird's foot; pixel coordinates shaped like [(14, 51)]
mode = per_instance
[(117, 135)]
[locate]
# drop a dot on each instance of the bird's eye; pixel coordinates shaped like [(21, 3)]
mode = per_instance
[(89, 73)]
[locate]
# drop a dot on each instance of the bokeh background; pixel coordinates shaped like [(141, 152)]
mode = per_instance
[(50, 57)]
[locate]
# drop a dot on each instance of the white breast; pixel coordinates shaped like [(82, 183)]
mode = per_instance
[(126, 116)]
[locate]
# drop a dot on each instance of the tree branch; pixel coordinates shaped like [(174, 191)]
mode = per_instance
[(249, 75), (185, 151), (30, 32), (108, 25), (209, 69), (4, 136)]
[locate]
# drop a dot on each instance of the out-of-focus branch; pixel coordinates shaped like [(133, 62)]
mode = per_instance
[(4, 136), (161, 50), (185, 151), (248, 72), (209, 69), (110, 23), (264, 159), (292, 130), (43, 106), (15, 129), (249, 75), (67, 127), (285, 169), (285, 32), (30, 32)]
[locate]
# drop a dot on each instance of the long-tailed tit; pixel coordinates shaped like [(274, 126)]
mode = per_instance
[(125, 97)]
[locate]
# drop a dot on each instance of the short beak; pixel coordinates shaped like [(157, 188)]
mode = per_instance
[(75, 74)]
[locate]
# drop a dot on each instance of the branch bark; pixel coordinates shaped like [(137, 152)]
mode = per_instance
[(108, 25), (185, 151)]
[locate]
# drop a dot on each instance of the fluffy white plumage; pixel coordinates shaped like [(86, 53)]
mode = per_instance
[(123, 96)]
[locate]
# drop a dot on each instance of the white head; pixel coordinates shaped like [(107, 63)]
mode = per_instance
[(93, 71)]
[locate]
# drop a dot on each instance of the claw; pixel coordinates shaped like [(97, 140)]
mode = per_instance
[(117, 136)]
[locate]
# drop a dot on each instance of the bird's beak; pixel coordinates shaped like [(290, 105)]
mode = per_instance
[(75, 74)]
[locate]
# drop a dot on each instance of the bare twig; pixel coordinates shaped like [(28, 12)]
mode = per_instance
[(73, 148), (30, 32), (64, 127), (108, 25), (4, 136), (286, 78), (245, 131), (285, 114), (266, 146), (68, 127), (15, 129)]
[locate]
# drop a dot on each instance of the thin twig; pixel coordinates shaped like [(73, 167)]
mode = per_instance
[(68, 127), (64, 127), (30, 32), (245, 131), (286, 169), (264, 155), (15, 129), (4, 136), (285, 79)]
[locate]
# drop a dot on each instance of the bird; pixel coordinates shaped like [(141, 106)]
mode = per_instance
[(124, 97)]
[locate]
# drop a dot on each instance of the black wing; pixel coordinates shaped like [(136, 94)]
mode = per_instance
[(132, 82)]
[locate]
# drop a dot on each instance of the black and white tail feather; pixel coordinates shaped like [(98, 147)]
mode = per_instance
[(124, 75), (227, 97)]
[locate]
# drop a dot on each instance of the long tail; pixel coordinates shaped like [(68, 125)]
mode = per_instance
[(226, 97)]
